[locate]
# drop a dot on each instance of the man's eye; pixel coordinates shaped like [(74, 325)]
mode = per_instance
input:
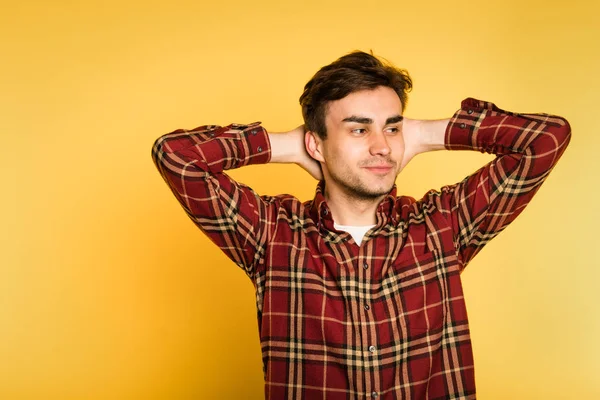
[(362, 130)]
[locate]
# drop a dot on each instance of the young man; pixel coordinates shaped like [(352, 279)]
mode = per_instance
[(358, 290)]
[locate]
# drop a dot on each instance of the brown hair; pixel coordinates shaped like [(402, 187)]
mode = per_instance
[(350, 73)]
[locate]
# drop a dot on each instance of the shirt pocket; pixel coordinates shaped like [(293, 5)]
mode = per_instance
[(417, 293)]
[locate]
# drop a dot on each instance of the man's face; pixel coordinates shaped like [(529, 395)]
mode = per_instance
[(362, 153)]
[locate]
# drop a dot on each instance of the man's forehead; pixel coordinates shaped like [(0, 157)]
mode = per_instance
[(377, 104), (366, 113)]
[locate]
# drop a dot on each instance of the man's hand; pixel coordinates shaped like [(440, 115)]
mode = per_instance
[(412, 140), (288, 147)]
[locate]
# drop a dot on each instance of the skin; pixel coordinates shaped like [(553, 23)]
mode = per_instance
[(362, 154), (361, 157)]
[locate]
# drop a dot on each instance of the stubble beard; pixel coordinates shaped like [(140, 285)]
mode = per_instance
[(353, 187)]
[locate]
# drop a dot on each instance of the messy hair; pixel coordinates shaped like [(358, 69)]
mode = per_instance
[(350, 73)]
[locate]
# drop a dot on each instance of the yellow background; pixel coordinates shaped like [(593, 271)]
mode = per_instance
[(108, 291)]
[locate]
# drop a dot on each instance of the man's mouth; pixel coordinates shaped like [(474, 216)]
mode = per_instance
[(379, 169)]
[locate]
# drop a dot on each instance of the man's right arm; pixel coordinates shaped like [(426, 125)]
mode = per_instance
[(232, 215)]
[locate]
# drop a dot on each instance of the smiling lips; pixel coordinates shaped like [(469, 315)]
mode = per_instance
[(380, 169)]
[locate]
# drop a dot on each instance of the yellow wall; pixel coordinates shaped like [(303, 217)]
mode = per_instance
[(108, 291)]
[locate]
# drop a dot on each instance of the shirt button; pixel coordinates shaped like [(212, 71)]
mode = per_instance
[(374, 395), (253, 132), (372, 349), (260, 148), (367, 307), (462, 125), (469, 111), (366, 266)]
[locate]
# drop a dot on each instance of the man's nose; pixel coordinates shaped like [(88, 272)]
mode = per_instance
[(379, 144)]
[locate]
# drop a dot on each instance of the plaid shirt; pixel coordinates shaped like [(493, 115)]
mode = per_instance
[(386, 319)]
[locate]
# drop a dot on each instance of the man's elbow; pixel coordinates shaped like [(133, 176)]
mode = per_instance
[(557, 138), (158, 150), (562, 131)]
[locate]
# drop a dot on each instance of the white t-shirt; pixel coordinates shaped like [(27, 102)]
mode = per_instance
[(357, 232)]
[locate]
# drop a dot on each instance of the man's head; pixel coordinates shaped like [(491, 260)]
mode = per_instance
[(352, 112)]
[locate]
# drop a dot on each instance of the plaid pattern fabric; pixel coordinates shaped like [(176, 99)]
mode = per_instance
[(386, 319)]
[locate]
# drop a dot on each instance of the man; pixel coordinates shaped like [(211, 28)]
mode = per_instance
[(358, 290)]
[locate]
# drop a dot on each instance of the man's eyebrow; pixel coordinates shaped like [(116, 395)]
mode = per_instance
[(360, 120), (365, 120), (394, 119)]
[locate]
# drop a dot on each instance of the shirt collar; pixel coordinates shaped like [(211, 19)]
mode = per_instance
[(387, 212)]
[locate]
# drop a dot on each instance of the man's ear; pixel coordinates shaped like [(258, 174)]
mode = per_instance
[(314, 145)]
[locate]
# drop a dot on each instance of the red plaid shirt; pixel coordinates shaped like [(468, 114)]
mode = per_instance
[(386, 319)]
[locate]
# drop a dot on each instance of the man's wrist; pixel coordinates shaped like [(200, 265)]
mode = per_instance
[(433, 133), (285, 147), (421, 136)]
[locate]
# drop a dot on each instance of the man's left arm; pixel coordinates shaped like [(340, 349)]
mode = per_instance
[(527, 147)]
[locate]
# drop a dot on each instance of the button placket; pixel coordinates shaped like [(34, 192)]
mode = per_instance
[(372, 348)]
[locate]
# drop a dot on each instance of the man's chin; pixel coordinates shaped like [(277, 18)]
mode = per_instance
[(382, 188), (376, 191), (366, 188)]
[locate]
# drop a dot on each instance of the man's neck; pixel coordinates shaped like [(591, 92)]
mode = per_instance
[(351, 211)]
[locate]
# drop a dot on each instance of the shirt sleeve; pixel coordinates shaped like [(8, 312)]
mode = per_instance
[(527, 147), (232, 215)]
